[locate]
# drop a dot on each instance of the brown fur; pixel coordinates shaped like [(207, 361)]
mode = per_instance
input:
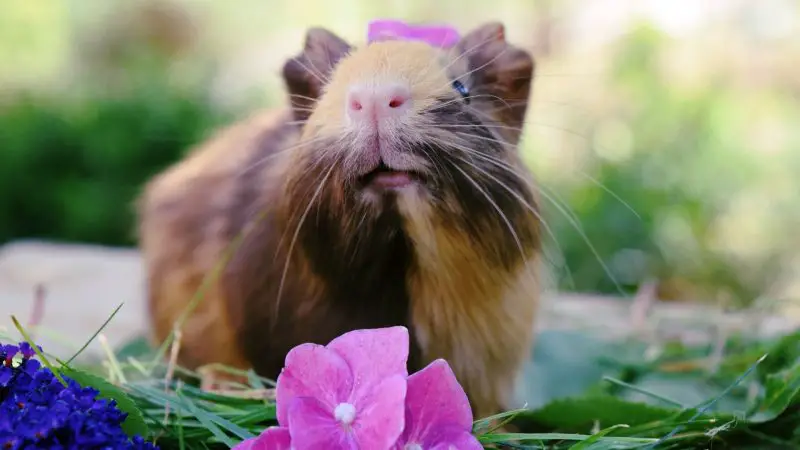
[(454, 261)]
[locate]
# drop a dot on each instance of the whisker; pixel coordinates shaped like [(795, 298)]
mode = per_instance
[(304, 97), (430, 157), (322, 79), (486, 64), (580, 172), (296, 122), (302, 108), (576, 225), (458, 99), (506, 166), (519, 198), (500, 212), (518, 129), (443, 104), (470, 50), (610, 192), (498, 126), (492, 96), (315, 163), (267, 158), (294, 240), (573, 221), (465, 53)]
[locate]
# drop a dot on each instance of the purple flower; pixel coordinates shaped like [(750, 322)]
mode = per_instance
[(348, 394), (438, 414), (37, 411)]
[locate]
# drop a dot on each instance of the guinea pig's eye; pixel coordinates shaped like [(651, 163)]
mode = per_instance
[(459, 86)]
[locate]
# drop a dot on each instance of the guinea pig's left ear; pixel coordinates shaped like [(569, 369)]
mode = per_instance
[(500, 71), (306, 74)]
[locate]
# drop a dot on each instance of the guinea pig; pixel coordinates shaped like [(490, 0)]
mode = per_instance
[(390, 191)]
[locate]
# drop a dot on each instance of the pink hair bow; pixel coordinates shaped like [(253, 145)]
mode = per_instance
[(437, 36)]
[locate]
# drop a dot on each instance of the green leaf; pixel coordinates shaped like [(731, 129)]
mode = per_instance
[(564, 364), (578, 414), (510, 437), (781, 391), (784, 354), (685, 390), (35, 348), (134, 424), (596, 438)]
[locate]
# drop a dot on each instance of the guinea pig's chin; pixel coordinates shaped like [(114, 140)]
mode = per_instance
[(385, 184), (381, 198)]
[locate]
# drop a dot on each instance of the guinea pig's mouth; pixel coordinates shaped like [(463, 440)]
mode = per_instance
[(384, 177)]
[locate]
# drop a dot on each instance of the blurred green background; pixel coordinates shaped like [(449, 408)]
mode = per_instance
[(665, 134)]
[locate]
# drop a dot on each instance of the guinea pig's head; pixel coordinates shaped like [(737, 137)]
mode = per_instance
[(408, 126)]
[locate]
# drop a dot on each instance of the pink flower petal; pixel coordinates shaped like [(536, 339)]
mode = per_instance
[(451, 438), (273, 438), (313, 426), (373, 355), (447, 437), (381, 414), (437, 36), (434, 400), (246, 444), (312, 371), (386, 29)]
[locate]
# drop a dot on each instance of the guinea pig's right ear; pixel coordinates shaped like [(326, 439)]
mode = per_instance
[(502, 73), (306, 74)]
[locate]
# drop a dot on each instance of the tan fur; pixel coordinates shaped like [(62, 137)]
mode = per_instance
[(176, 266), (465, 308), (456, 315), (452, 291)]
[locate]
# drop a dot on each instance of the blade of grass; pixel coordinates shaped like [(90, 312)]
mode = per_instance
[(99, 330), (484, 423), (595, 438), (643, 391), (163, 398), (212, 427), (36, 349), (112, 360), (501, 438), (702, 409)]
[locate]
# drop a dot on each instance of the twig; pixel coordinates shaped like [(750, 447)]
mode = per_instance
[(112, 359), (642, 304), (254, 394), (173, 361), (37, 311)]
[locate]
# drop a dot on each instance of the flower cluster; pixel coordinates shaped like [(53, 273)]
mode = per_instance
[(356, 393), (38, 411)]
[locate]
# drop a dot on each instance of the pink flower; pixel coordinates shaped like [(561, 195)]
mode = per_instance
[(348, 394), (273, 438), (438, 415), (437, 36)]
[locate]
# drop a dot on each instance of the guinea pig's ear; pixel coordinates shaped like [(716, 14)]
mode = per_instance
[(306, 74), (501, 73)]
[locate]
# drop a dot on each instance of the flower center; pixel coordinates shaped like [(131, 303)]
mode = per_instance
[(345, 413), (413, 446)]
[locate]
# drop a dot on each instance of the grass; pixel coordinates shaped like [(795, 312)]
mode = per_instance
[(748, 400)]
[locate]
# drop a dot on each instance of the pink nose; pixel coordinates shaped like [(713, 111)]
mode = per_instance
[(377, 103)]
